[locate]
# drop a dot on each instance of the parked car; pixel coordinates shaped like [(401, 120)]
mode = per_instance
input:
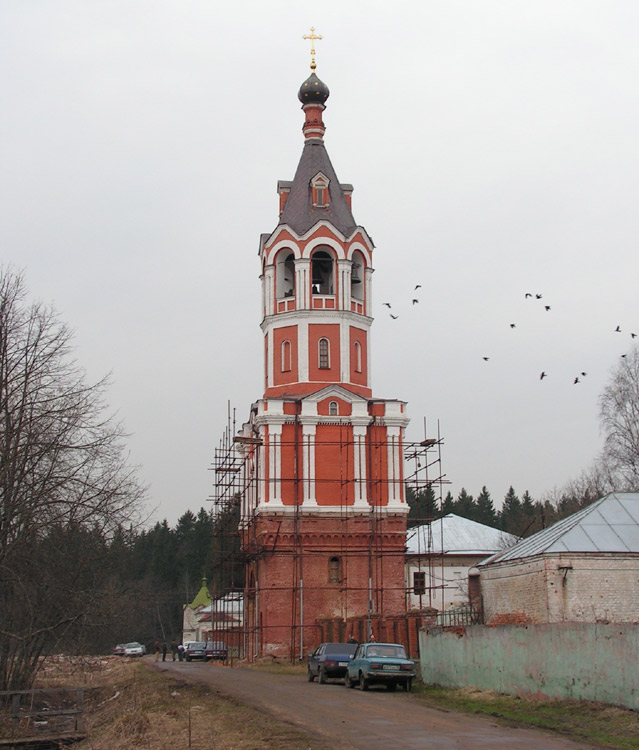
[(380, 663), (195, 650), (119, 649), (330, 660), (216, 650), (134, 649)]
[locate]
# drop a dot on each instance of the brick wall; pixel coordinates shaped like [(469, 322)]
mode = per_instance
[(581, 587)]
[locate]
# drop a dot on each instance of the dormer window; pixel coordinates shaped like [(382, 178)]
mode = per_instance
[(319, 190), (333, 409)]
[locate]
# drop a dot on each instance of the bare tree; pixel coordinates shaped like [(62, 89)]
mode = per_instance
[(65, 483), (619, 413)]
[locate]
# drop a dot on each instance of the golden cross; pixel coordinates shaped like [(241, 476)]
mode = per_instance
[(312, 36)]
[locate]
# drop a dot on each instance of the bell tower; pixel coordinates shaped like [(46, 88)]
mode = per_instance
[(324, 531)]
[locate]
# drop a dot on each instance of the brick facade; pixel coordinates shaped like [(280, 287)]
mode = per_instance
[(575, 587)]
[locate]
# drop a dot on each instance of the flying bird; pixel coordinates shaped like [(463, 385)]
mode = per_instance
[(419, 286), (542, 376), (415, 301), (512, 325), (528, 294), (387, 304), (583, 374), (546, 308), (634, 335), (617, 329), (576, 381), (537, 296), (485, 359), (394, 317)]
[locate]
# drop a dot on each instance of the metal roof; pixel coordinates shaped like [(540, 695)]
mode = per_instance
[(610, 524), (298, 211), (456, 536)]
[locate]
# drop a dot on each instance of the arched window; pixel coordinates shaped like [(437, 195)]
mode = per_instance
[(358, 357), (333, 408), (324, 354), (322, 273), (334, 570), (286, 356)]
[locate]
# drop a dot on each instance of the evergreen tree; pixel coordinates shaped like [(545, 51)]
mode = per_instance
[(422, 505), (448, 506), (511, 515), (465, 505), (485, 509)]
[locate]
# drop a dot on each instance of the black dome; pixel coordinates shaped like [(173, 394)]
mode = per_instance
[(313, 90)]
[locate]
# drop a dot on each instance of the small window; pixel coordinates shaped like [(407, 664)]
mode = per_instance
[(335, 570), (319, 188), (333, 408), (286, 356), (419, 583), (324, 360), (358, 357)]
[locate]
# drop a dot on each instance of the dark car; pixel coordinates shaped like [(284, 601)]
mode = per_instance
[(216, 650), (195, 650), (330, 660), (381, 664)]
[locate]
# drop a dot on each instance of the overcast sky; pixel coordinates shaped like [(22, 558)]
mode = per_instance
[(494, 151)]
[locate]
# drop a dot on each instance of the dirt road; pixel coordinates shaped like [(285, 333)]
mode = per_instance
[(354, 720)]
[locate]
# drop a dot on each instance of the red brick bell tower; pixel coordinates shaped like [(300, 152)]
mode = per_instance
[(324, 532)]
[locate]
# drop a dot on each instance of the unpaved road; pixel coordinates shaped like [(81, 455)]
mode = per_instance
[(354, 720)]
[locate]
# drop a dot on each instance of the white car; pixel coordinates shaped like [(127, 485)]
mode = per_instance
[(134, 649)]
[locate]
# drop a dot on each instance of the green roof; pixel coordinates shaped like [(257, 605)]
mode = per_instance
[(202, 598)]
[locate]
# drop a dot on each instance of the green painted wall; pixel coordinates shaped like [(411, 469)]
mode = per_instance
[(581, 661)]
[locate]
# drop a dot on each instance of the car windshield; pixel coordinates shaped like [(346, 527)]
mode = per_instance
[(197, 644), (386, 650), (340, 648), (132, 645)]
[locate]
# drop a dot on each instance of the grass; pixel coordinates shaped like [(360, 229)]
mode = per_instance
[(595, 723), (146, 709)]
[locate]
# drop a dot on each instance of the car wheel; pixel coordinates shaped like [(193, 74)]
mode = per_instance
[(310, 676), (392, 686), (407, 686), (322, 676), (363, 682), (188, 658), (347, 681)]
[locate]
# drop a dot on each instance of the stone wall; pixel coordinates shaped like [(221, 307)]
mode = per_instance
[(596, 662)]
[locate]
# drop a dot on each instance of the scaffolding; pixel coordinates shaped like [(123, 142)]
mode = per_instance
[(239, 550)]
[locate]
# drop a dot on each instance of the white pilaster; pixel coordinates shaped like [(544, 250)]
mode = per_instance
[(308, 458), (359, 466), (275, 464), (303, 283)]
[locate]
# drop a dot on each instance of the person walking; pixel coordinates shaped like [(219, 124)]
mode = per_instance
[(164, 650), (173, 649), (156, 648)]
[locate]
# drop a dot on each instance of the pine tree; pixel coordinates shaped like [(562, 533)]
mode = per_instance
[(422, 504), (448, 506)]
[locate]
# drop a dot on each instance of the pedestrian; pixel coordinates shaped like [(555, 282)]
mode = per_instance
[(173, 649), (156, 648), (164, 650), (180, 652)]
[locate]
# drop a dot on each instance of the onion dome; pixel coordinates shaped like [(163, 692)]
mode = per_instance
[(313, 91)]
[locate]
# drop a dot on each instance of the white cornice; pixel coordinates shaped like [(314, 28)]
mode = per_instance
[(322, 223)]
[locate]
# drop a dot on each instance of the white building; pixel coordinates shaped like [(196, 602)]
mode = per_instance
[(439, 555)]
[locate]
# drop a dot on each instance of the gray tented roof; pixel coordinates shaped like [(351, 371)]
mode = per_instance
[(456, 536), (610, 524), (298, 211)]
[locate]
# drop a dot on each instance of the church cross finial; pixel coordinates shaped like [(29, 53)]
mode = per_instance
[(312, 36)]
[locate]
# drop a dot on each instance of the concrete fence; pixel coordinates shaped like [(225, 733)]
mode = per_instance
[(582, 661)]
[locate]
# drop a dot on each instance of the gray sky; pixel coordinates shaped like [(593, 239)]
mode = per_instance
[(493, 148)]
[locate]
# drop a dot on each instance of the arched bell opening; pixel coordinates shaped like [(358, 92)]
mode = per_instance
[(323, 274), (285, 274), (357, 277)]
